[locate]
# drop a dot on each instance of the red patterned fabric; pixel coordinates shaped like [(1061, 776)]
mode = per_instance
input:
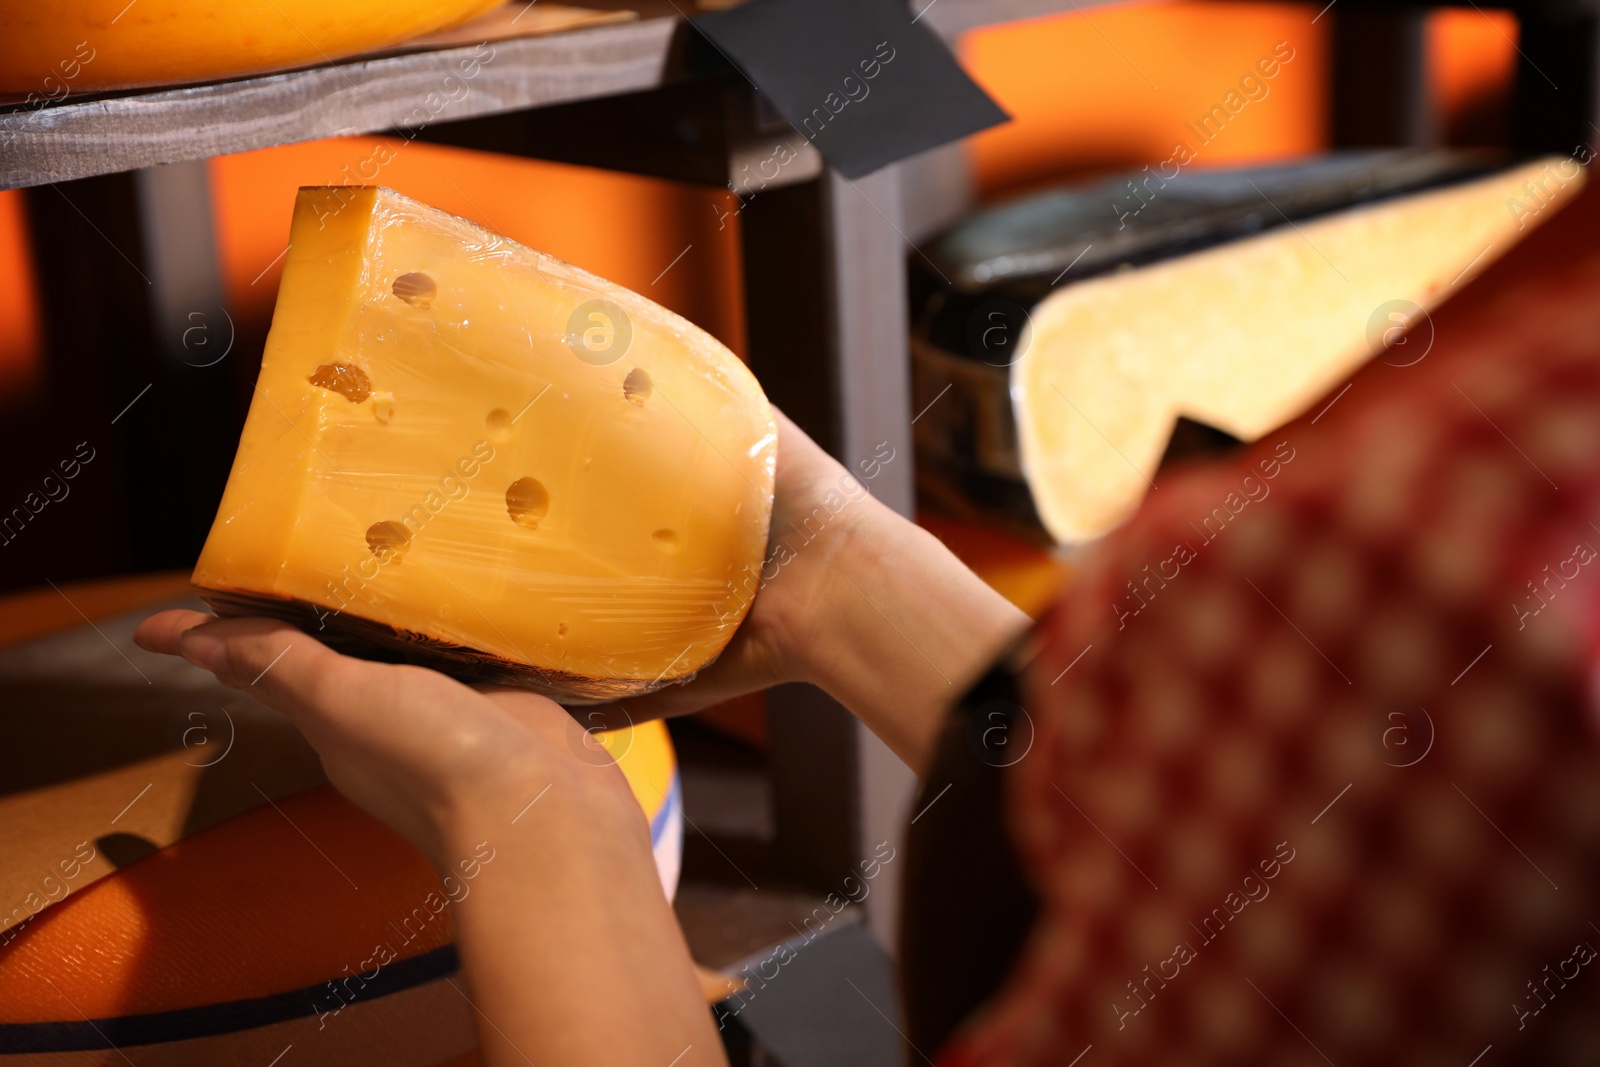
[(1325, 786)]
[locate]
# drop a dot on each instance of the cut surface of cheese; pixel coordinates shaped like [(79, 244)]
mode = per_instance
[(471, 455), (1244, 336)]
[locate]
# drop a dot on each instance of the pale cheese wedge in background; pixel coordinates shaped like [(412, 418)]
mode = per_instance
[(1242, 337)]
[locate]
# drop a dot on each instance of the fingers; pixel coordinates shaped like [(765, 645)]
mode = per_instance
[(665, 703), (742, 668), (273, 661), (408, 744), (534, 712), (160, 632)]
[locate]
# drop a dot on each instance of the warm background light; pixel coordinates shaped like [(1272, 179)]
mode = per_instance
[(1471, 59), (1115, 86), (19, 307), (624, 228)]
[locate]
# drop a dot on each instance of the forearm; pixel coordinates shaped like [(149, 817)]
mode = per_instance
[(570, 950), (905, 628)]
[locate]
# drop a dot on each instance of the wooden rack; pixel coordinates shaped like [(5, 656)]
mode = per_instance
[(117, 181)]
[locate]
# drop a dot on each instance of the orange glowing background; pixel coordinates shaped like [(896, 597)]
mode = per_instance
[(1471, 59), (1101, 87), (663, 240), (19, 308), (1137, 74)]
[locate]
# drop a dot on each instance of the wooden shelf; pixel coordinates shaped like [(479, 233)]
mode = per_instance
[(114, 132), (950, 18)]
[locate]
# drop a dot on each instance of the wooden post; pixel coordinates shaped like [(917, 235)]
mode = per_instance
[(825, 295), (1379, 95), (1557, 80)]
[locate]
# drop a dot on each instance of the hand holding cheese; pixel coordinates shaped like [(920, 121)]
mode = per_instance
[(475, 457), (454, 771), (869, 607)]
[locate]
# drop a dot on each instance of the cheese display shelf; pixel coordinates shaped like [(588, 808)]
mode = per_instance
[(117, 200), (117, 180), (60, 133)]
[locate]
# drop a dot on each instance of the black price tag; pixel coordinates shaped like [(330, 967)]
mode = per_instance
[(859, 78)]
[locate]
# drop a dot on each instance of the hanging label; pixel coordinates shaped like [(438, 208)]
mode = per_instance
[(861, 79)]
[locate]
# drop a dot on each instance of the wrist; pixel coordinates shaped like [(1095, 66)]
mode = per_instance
[(900, 629), (544, 794), (871, 539)]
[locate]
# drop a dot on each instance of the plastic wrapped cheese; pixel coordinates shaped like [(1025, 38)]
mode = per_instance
[(473, 456)]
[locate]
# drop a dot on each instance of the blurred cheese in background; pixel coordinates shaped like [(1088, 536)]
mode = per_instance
[(91, 45), (1243, 337), (1056, 346)]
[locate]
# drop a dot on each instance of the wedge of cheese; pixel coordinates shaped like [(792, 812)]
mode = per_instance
[(1243, 337), (474, 456)]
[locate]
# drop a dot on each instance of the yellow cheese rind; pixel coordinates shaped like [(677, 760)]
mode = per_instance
[(1242, 337), (513, 470), (49, 48)]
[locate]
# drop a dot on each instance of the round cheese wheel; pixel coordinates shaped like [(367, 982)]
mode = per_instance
[(303, 929), (55, 48)]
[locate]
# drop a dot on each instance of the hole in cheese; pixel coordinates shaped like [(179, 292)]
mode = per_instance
[(498, 425), (346, 379), (527, 501), (388, 540), (636, 386), (665, 538), (417, 289)]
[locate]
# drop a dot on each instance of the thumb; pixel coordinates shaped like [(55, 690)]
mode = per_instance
[(276, 663)]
